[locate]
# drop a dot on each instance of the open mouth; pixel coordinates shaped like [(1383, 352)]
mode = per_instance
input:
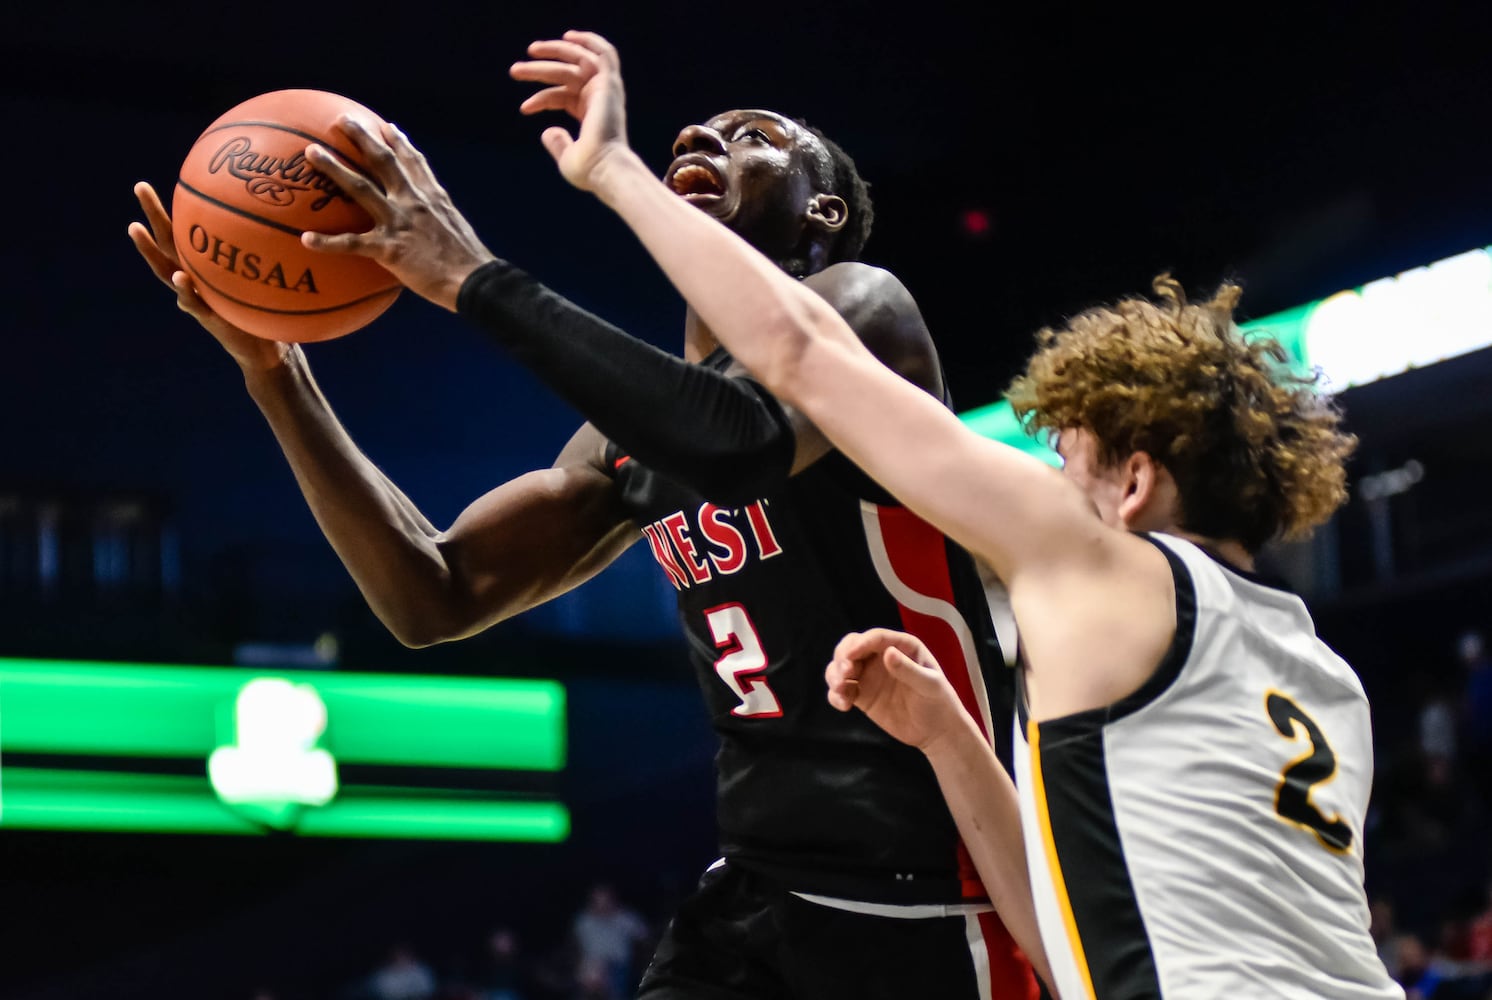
[(696, 181)]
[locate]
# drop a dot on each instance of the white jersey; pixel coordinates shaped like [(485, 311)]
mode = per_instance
[(1202, 838)]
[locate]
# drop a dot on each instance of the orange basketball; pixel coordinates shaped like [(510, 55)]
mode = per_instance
[(244, 196)]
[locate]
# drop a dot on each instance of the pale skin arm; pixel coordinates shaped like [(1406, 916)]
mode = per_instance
[(893, 679), (526, 541), (800, 348), (1095, 603)]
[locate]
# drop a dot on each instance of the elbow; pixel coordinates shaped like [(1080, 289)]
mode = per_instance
[(796, 336), (432, 632), (453, 620), (418, 632), (421, 624), (782, 375), (417, 639)]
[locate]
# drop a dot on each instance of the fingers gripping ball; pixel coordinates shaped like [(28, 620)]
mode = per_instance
[(244, 196)]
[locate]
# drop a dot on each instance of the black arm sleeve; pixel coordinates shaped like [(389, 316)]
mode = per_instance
[(725, 437)]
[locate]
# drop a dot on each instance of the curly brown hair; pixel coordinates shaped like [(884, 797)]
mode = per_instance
[(1257, 453)]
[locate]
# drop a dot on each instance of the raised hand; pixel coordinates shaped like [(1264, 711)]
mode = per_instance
[(893, 679), (583, 75), (158, 248), (418, 235)]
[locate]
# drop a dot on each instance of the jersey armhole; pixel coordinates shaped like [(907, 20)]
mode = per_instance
[(1180, 649), (1160, 680)]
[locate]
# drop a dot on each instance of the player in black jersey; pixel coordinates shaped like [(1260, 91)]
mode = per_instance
[(842, 872)]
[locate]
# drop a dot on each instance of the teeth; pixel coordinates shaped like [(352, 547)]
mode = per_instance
[(695, 179)]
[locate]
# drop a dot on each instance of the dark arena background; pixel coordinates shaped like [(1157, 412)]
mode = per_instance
[(1025, 163)]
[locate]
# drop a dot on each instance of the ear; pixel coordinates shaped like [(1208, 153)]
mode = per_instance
[(828, 212), (1141, 483)]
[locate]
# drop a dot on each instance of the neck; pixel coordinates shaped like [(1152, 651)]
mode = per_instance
[(793, 245), (1227, 549), (810, 257)]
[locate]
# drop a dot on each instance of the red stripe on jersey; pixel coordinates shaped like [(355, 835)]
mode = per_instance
[(918, 555), (621, 461), (1010, 974)]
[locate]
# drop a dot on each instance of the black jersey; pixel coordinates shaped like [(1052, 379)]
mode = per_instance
[(822, 800)]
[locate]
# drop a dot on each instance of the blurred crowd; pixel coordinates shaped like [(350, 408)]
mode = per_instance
[(1429, 849), (600, 958)]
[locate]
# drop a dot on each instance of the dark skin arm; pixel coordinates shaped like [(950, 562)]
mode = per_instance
[(530, 539), (423, 239), (523, 543)]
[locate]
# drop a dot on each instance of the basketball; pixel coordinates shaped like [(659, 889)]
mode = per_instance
[(246, 193)]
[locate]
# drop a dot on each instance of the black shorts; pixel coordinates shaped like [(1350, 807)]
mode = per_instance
[(740, 937)]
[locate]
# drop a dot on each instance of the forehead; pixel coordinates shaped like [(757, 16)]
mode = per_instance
[(758, 116)]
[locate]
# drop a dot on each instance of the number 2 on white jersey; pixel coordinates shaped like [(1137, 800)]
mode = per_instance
[(742, 662), (1318, 765)]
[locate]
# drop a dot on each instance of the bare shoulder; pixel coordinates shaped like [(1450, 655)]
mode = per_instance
[(1097, 622), (884, 315), (859, 290)]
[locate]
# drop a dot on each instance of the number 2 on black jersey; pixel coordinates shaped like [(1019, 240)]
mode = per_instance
[(1293, 798), (742, 662)]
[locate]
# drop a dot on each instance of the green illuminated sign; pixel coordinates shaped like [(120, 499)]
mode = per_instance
[(274, 766), (998, 421), (271, 749), (110, 801), (1386, 327)]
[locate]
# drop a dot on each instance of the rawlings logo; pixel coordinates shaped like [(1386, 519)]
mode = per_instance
[(274, 179)]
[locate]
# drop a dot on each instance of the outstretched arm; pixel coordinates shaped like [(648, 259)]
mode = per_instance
[(1095, 604), (721, 434), (528, 540), (802, 349)]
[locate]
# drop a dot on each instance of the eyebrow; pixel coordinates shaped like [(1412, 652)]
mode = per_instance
[(781, 125)]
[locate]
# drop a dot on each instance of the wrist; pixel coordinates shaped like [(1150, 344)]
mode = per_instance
[(448, 294), (265, 379), (618, 167), (953, 737)]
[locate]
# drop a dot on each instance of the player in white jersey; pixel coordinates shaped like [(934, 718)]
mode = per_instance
[(1194, 763), (1201, 837)]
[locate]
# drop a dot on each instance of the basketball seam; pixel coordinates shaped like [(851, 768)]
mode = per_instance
[(287, 312), (241, 212)]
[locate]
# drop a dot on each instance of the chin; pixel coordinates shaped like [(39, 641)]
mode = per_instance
[(726, 211)]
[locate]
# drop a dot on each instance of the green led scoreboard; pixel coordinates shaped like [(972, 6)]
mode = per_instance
[(151, 748)]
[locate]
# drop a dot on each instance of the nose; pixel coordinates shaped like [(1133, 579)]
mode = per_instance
[(698, 139)]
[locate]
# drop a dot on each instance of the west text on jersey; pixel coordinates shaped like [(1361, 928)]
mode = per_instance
[(712, 542)]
